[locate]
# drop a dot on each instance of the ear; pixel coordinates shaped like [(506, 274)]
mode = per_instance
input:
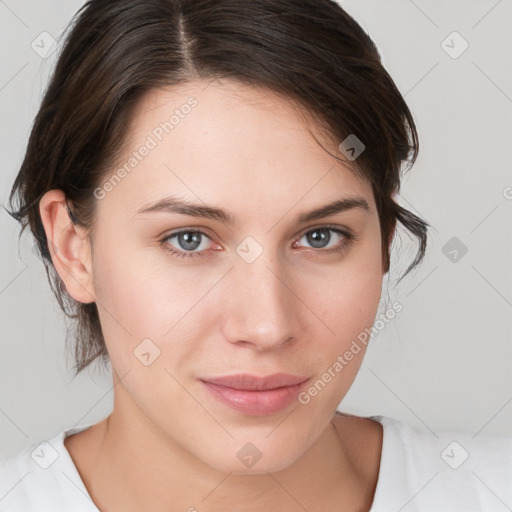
[(69, 247)]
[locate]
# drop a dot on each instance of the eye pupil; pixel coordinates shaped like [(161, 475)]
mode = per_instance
[(319, 238), (189, 240)]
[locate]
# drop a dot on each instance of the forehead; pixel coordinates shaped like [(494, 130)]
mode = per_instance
[(231, 143)]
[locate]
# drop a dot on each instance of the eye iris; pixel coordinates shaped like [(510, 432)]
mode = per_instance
[(319, 238), (189, 240)]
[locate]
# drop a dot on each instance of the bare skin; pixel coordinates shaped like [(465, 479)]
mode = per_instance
[(347, 480), (169, 444)]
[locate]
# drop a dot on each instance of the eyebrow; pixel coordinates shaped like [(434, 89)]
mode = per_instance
[(176, 205)]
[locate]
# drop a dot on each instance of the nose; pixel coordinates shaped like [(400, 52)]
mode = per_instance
[(260, 310)]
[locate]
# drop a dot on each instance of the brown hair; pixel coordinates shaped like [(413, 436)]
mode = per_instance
[(310, 51)]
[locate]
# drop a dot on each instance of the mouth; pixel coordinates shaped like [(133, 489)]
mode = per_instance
[(254, 395)]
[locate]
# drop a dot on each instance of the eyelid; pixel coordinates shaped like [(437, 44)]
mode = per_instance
[(198, 229), (187, 230), (342, 229), (347, 233)]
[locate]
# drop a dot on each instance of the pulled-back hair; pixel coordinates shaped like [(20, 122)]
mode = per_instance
[(115, 51)]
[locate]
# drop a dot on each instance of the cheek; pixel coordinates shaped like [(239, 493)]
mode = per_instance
[(347, 296), (346, 299), (348, 310), (144, 294), (141, 297)]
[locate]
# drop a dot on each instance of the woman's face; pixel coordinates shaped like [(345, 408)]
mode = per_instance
[(254, 290)]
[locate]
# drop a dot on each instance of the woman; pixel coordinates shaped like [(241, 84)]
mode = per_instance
[(212, 188)]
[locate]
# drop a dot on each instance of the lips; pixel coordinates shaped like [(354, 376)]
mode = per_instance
[(255, 395), (246, 382)]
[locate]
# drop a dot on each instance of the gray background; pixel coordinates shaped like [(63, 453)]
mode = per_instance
[(444, 363)]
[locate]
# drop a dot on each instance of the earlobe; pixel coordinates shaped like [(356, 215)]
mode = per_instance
[(68, 246)]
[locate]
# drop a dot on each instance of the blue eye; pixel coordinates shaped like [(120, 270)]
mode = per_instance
[(188, 241), (320, 238), (191, 243)]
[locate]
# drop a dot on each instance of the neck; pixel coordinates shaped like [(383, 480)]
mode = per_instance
[(135, 466)]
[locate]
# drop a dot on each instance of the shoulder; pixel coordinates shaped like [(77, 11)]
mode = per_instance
[(42, 477), (446, 470), (13, 470), (455, 449)]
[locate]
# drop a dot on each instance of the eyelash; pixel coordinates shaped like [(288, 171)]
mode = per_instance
[(343, 245)]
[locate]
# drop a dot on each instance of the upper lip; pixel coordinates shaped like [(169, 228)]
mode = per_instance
[(247, 382)]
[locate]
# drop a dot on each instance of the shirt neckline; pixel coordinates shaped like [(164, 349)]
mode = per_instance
[(383, 420), (69, 463)]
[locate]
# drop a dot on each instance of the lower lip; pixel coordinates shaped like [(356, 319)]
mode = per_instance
[(255, 403)]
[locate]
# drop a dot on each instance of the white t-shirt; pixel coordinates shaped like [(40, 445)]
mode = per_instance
[(419, 471)]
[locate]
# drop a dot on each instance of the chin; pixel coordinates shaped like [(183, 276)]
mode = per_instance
[(249, 460)]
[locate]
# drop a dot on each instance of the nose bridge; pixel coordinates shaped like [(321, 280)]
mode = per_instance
[(260, 308)]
